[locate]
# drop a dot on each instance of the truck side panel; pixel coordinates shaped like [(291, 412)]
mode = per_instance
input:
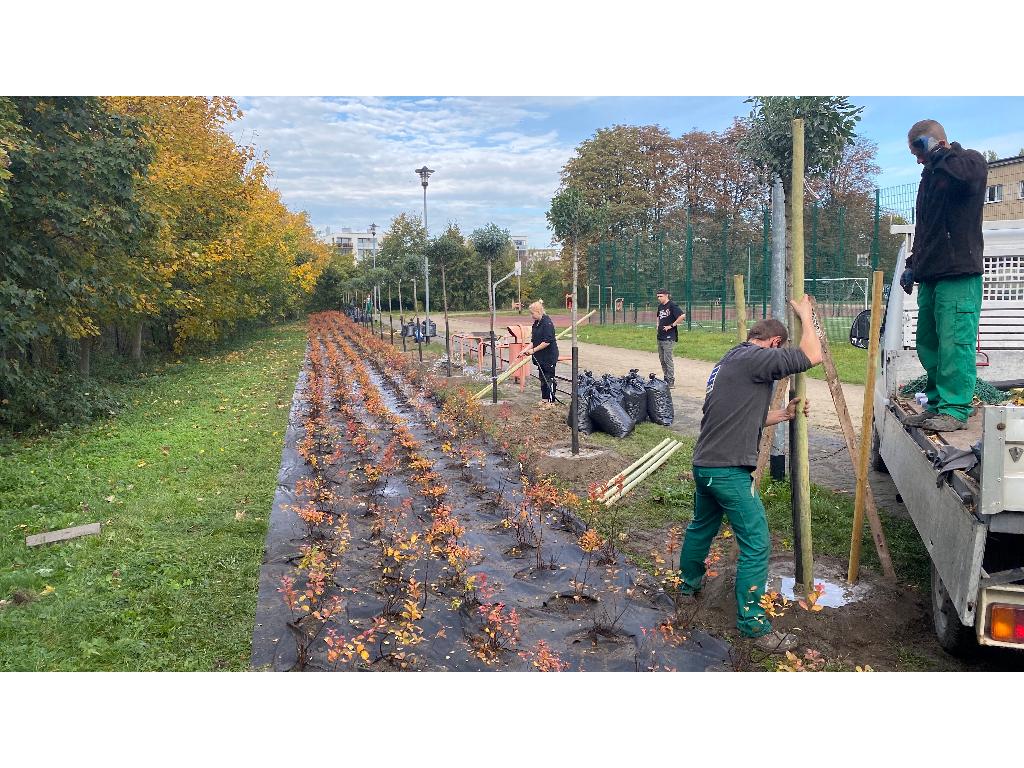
[(953, 536)]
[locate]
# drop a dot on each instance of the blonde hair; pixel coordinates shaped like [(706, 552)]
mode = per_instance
[(538, 304)]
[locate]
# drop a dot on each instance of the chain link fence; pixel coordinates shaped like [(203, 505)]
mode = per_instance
[(697, 264)]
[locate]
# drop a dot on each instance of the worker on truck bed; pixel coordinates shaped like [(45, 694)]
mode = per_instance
[(946, 262), (736, 408)]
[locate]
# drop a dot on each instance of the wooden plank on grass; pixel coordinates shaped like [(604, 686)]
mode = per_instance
[(62, 534)]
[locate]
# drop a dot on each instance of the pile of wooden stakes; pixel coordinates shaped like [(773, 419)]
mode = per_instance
[(637, 472)]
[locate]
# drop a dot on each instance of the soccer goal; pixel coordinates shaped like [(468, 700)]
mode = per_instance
[(842, 295)]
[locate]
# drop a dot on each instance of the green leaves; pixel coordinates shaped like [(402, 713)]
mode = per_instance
[(490, 241), (829, 126), (571, 217)]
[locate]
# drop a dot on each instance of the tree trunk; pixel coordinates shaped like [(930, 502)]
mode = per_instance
[(137, 342), (84, 354)]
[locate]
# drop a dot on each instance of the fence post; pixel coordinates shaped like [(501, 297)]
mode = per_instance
[(636, 281), (603, 256), (874, 239), (689, 273), (661, 261), (765, 262), (725, 256), (814, 251), (611, 293)]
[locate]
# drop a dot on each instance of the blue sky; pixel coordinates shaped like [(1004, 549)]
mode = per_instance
[(350, 161)]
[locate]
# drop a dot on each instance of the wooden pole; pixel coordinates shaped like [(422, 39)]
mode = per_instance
[(741, 307), (764, 448), (846, 423), (867, 418), (633, 469), (800, 483), (650, 468)]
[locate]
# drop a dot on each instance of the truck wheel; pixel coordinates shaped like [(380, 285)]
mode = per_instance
[(952, 635), (876, 453)]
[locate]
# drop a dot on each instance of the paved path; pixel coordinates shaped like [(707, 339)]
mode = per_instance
[(830, 462)]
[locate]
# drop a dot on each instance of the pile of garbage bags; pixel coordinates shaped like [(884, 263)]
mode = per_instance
[(616, 404)]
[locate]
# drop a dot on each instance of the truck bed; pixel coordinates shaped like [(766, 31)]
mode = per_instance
[(962, 438)]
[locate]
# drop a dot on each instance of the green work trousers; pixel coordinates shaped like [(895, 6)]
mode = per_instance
[(730, 491), (947, 335)]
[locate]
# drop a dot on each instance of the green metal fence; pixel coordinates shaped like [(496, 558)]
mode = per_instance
[(696, 262)]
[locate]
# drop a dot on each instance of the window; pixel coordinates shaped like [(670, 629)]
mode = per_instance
[(994, 194), (1020, 189)]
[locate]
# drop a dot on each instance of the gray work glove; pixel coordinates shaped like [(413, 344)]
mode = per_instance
[(907, 281)]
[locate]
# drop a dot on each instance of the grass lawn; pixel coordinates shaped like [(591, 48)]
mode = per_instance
[(664, 499), (182, 481), (710, 345)]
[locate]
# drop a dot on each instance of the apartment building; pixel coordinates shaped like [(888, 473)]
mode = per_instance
[(1004, 198)]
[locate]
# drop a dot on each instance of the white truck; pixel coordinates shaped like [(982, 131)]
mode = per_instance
[(971, 522)]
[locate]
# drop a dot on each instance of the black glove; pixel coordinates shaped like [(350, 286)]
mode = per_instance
[(907, 281)]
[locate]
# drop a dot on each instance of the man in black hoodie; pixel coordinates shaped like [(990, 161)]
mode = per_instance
[(946, 262)]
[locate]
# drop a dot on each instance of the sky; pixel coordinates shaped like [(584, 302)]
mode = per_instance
[(350, 161)]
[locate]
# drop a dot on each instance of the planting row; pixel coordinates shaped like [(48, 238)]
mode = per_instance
[(405, 538)]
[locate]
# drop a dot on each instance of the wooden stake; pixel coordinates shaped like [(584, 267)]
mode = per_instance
[(799, 477), (867, 418), (741, 307), (639, 478), (846, 423), (765, 447)]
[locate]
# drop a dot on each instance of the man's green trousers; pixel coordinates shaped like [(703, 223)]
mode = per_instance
[(947, 334), (730, 491)]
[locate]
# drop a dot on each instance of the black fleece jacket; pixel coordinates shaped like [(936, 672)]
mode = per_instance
[(947, 237)]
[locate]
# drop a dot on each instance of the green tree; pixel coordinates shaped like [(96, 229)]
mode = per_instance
[(494, 246), (401, 253), (629, 171), (69, 225), (829, 127)]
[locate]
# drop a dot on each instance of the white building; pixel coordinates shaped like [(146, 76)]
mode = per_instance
[(349, 240)]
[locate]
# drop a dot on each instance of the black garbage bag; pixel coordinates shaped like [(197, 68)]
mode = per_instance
[(634, 396), (659, 401), (586, 390), (610, 417)]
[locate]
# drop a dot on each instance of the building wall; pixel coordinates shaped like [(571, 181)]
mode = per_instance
[(353, 241), (1008, 174)]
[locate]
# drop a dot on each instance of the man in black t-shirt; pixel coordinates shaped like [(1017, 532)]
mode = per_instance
[(669, 316), (736, 409)]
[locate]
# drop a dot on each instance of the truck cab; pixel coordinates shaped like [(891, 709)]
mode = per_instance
[(965, 489)]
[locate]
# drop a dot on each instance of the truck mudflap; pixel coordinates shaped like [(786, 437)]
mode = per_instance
[(953, 535)]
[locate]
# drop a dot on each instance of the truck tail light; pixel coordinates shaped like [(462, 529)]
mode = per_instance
[(1006, 623)]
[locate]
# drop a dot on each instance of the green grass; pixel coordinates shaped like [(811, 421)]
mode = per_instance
[(666, 498), (182, 481), (710, 345)]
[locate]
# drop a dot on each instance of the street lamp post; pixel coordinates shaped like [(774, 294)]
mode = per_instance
[(424, 174)]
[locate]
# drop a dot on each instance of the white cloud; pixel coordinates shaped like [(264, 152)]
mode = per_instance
[(350, 159)]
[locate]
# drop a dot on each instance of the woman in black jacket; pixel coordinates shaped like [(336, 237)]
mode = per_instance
[(544, 349)]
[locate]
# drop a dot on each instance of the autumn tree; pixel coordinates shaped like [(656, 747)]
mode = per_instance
[(629, 172)]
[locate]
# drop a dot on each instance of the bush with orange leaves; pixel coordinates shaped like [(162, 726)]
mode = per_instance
[(543, 659)]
